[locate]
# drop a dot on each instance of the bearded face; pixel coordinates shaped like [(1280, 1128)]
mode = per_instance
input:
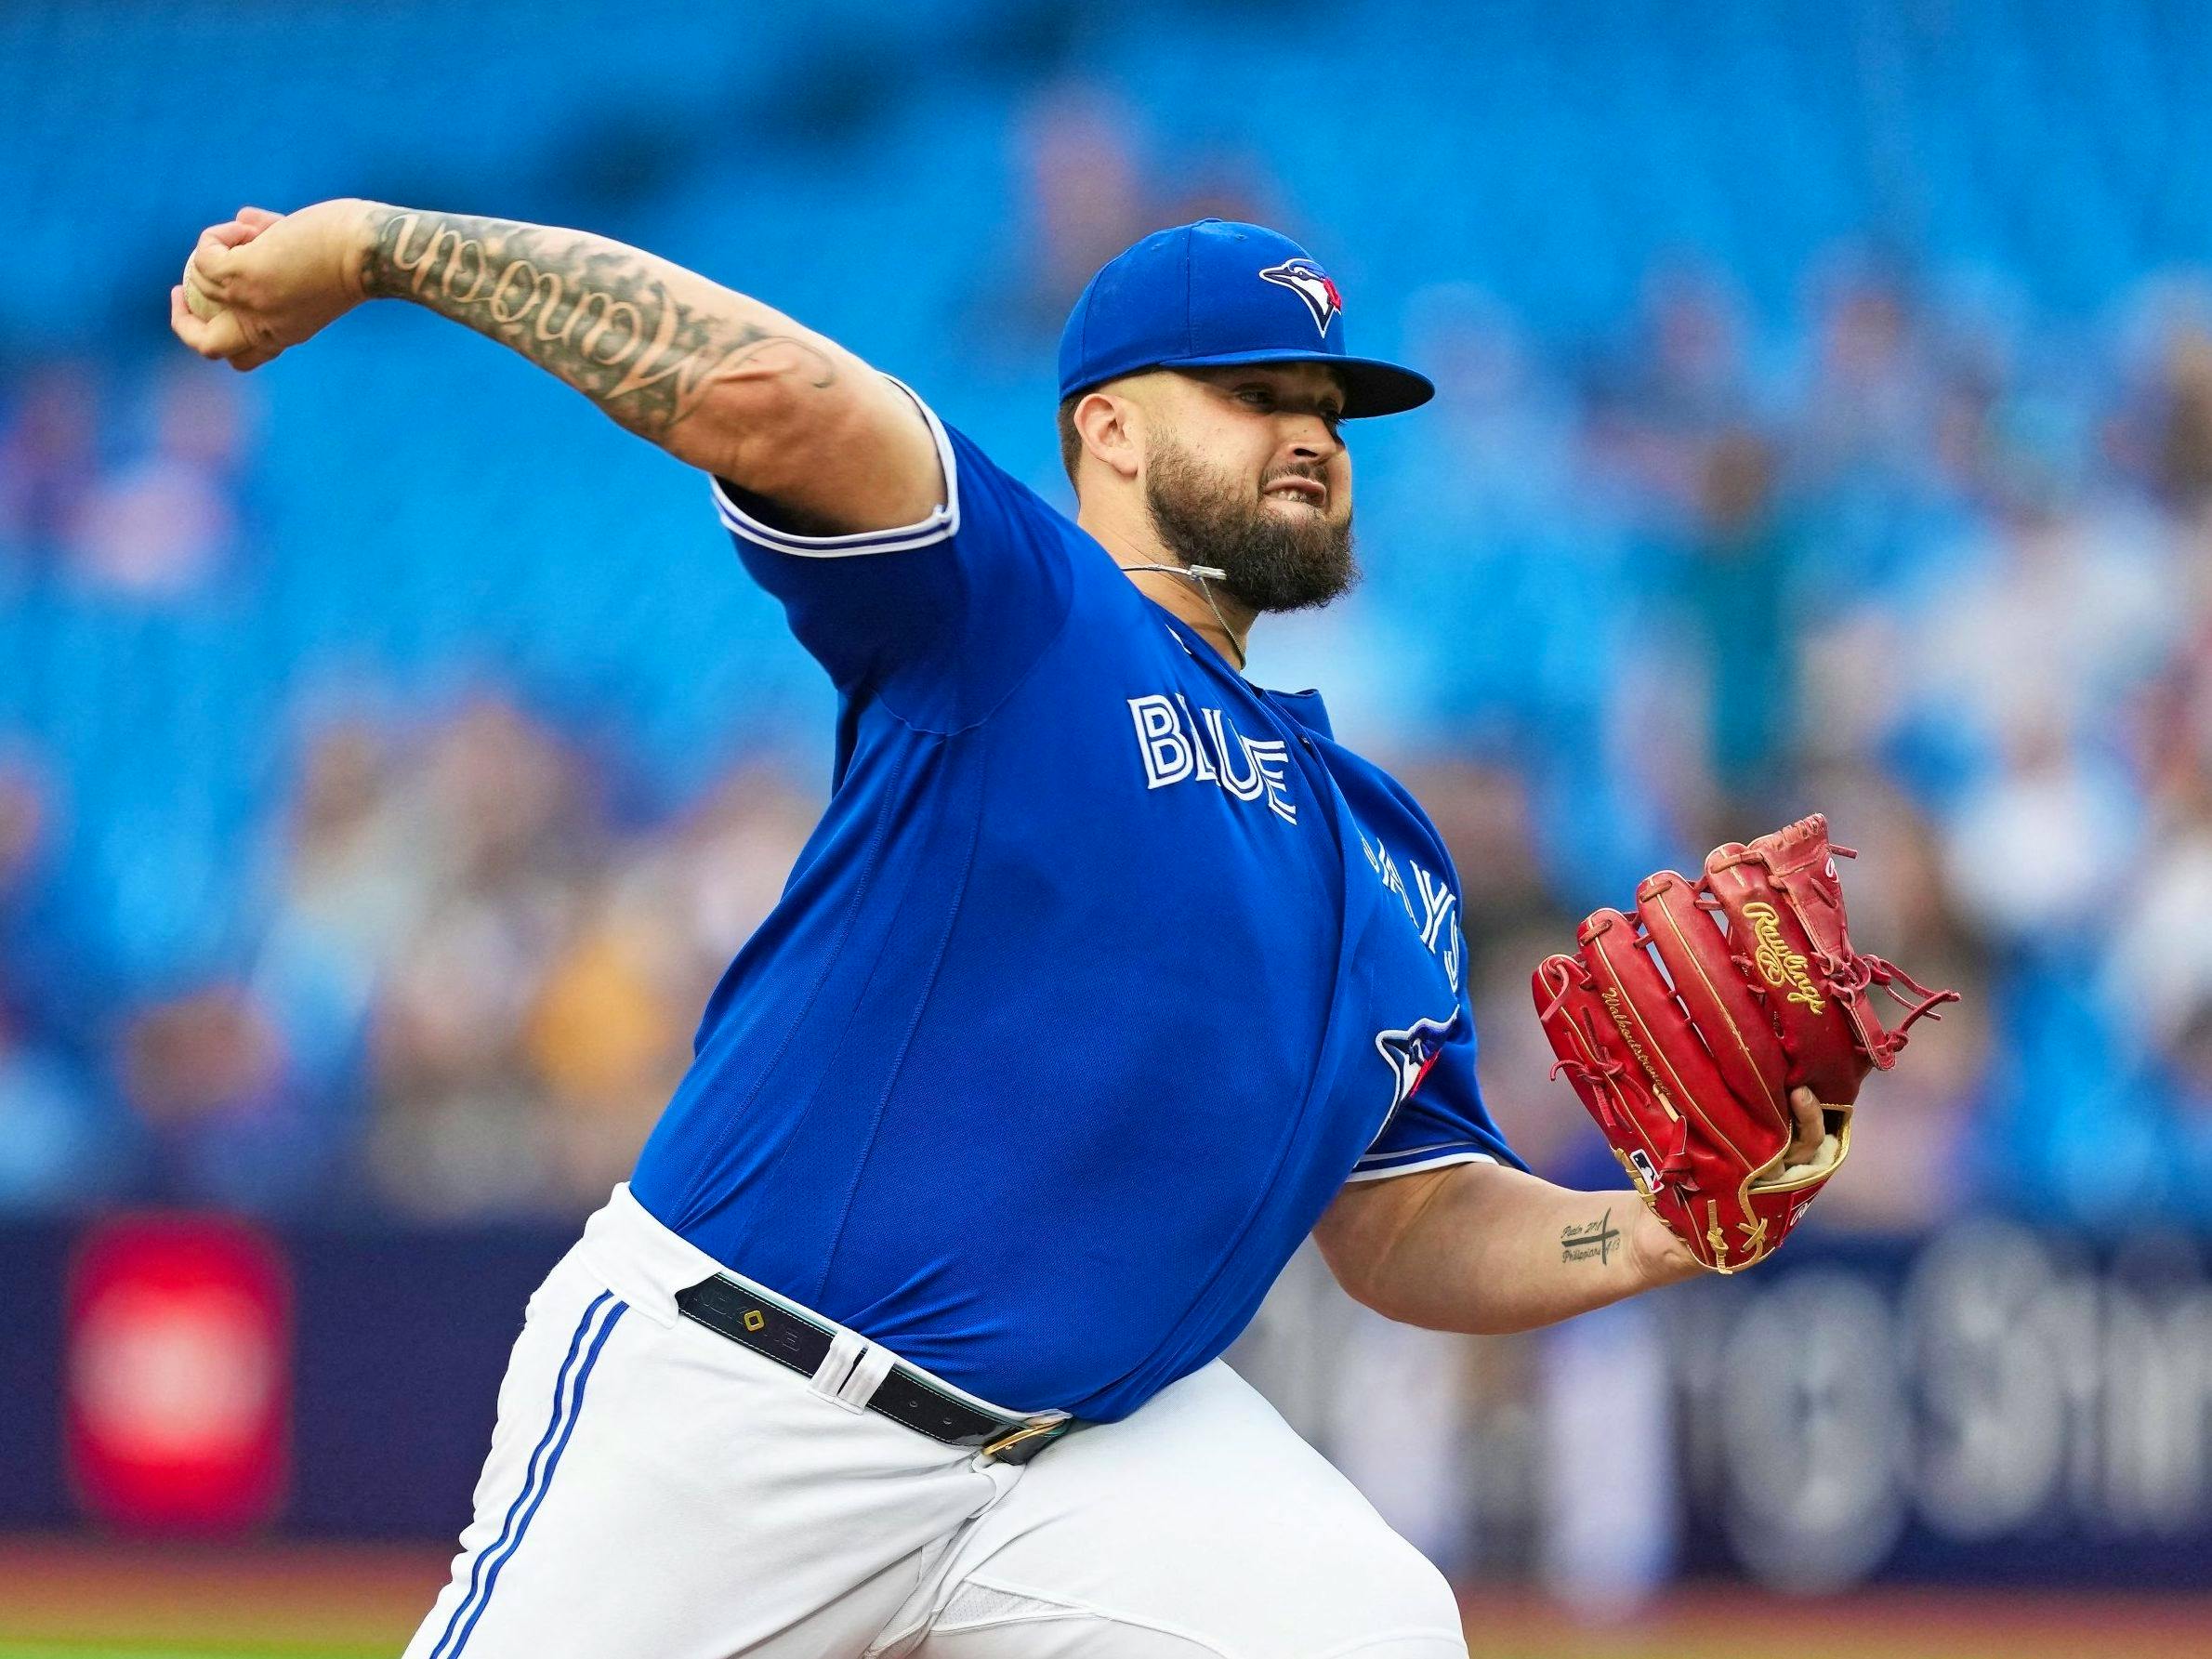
[(1283, 547)]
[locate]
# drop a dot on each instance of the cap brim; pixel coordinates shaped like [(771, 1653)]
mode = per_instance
[(1370, 385)]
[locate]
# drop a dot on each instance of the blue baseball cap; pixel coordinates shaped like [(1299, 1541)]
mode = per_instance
[(1217, 292)]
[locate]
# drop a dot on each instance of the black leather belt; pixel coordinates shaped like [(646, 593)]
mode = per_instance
[(775, 1332)]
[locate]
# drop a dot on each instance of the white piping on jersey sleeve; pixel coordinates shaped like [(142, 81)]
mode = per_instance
[(1375, 1169), (943, 523)]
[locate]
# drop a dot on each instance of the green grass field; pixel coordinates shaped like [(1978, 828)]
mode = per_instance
[(73, 1599)]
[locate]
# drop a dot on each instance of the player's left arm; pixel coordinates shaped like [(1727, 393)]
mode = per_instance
[(1482, 1248)]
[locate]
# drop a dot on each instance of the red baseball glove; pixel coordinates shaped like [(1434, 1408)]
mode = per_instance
[(1687, 1062)]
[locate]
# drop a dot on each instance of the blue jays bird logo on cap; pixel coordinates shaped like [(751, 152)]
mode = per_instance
[(1310, 284)]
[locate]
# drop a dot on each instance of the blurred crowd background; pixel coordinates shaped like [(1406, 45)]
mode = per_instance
[(393, 753), (390, 754)]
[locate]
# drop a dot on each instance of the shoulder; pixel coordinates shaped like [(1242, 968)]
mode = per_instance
[(1405, 820), (982, 494)]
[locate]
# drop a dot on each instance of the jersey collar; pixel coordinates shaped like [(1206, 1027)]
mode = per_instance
[(1306, 708)]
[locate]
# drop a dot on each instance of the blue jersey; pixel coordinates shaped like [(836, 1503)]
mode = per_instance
[(1102, 973)]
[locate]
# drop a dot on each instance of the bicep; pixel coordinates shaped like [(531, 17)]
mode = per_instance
[(844, 452), (1367, 1221), (937, 614)]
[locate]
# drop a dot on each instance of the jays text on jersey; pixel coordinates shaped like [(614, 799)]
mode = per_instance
[(1102, 973)]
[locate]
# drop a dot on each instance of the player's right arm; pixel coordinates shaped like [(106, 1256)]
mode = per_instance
[(719, 380)]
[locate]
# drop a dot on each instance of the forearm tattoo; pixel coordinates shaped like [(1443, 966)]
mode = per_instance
[(1590, 1241), (593, 312)]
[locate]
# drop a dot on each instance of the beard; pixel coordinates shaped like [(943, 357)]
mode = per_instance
[(1275, 561)]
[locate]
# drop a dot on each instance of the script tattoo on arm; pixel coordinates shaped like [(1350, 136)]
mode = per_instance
[(1590, 1241), (606, 318)]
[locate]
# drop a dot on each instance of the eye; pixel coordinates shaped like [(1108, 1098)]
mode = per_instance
[(1259, 397)]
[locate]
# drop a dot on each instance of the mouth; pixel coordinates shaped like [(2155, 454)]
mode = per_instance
[(1311, 491)]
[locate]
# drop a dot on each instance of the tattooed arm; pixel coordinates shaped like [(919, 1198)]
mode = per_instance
[(720, 381), (1481, 1248)]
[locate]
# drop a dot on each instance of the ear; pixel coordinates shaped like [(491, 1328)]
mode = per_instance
[(1111, 428)]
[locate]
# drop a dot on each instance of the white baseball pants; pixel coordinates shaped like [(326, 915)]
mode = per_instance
[(654, 1490)]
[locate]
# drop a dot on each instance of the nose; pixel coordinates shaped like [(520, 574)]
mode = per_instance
[(1311, 439)]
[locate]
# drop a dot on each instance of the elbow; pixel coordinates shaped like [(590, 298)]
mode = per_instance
[(1371, 1295), (1369, 1283), (1380, 1294), (1357, 1262)]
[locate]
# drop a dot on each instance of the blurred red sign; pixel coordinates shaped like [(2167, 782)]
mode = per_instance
[(177, 1395)]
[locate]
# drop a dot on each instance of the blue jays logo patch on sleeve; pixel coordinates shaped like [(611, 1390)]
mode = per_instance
[(1411, 1052), (1310, 284)]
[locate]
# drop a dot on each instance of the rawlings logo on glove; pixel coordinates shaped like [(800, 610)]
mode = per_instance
[(1784, 967), (1686, 1029)]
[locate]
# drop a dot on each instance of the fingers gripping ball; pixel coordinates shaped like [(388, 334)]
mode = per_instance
[(197, 302), (1685, 1027)]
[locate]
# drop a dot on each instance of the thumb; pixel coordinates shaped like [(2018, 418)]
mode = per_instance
[(1811, 1127), (215, 338)]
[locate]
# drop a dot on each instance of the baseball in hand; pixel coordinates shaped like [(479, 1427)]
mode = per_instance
[(196, 302)]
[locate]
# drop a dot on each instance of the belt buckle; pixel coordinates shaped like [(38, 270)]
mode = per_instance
[(1020, 1444)]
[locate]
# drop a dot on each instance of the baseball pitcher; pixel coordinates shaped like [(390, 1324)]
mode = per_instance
[(1107, 977)]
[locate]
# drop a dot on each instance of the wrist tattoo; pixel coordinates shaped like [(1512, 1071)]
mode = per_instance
[(593, 312), (1590, 1241)]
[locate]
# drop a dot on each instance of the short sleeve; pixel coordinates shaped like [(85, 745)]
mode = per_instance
[(1442, 1121), (939, 619)]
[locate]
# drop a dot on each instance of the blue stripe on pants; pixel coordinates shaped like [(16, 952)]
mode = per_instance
[(562, 1423)]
